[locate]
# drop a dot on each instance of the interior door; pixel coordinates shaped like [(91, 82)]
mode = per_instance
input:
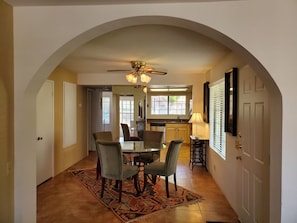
[(45, 132), (253, 149)]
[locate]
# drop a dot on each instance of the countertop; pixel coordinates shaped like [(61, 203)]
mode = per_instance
[(161, 122)]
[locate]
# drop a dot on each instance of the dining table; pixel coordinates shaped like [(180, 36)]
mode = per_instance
[(137, 147), (130, 149)]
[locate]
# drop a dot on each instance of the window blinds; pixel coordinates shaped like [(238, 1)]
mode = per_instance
[(216, 117)]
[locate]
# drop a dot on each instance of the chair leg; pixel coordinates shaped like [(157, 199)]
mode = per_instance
[(154, 179), (144, 182), (98, 169), (103, 185), (136, 185), (174, 177), (167, 189), (120, 191)]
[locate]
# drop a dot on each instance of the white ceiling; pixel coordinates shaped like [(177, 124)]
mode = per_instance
[(95, 2), (175, 50)]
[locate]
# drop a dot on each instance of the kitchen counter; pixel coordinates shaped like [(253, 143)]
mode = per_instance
[(162, 121)]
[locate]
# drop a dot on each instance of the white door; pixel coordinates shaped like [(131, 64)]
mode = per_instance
[(253, 156), (45, 132)]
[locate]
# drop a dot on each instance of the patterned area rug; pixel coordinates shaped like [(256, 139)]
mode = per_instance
[(153, 199)]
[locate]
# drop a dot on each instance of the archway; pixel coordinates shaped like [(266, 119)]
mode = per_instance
[(275, 96)]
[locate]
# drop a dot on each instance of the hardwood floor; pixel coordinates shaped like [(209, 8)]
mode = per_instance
[(64, 199)]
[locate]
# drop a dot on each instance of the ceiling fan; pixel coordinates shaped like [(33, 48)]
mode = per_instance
[(142, 70)]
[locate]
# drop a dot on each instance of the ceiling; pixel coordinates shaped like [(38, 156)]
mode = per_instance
[(94, 2), (172, 49)]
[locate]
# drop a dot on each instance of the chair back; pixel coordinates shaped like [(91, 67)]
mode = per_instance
[(126, 131), (152, 139), (140, 127), (172, 156), (103, 136), (111, 159)]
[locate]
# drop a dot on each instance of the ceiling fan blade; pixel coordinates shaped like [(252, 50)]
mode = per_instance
[(119, 70), (140, 66), (157, 72)]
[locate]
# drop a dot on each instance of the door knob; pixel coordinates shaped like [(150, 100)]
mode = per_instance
[(238, 145)]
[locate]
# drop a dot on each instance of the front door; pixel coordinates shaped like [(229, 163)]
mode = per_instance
[(45, 132), (253, 149)]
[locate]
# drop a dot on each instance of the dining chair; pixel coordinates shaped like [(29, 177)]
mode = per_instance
[(166, 168), (126, 133), (151, 139), (101, 136), (140, 128), (113, 168)]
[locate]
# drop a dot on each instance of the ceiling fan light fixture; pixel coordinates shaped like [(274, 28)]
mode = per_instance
[(132, 78), (142, 71), (145, 78), (145, 89)]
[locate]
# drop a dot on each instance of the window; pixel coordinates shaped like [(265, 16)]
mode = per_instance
[(216, 118), (106, 110), (159, 105), (126, 109), (168, 105)]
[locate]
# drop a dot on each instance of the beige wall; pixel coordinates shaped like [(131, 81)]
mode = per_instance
[(6, 113), (65, 157), (219, 168)]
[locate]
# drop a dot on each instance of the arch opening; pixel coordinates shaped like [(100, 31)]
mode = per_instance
[(274, 93)]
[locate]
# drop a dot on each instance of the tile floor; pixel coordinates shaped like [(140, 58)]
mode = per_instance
[(64, 199)]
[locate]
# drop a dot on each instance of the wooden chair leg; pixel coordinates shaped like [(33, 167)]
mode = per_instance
[(154, 179), (167, 189), (136, 184), (174, 177), (98, 169), (144, 182), (120, 191), (103, 185)]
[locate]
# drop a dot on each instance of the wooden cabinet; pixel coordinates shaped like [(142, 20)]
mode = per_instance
[(177, 131)]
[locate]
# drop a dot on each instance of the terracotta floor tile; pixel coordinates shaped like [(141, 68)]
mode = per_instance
[(64, 199)]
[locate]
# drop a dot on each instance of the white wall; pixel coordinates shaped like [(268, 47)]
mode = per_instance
[(265, 29)]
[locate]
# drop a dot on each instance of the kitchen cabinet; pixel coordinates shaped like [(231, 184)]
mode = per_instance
[(177, 131)]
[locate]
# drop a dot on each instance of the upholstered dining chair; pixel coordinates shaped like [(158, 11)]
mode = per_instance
[(101, 136), (166, 168), (126, 133), (112, 166), (151, 139)]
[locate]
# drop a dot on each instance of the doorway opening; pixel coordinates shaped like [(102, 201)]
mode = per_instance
[(127, 113)]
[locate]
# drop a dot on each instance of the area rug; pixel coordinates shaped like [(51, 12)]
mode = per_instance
[(153, 199)]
